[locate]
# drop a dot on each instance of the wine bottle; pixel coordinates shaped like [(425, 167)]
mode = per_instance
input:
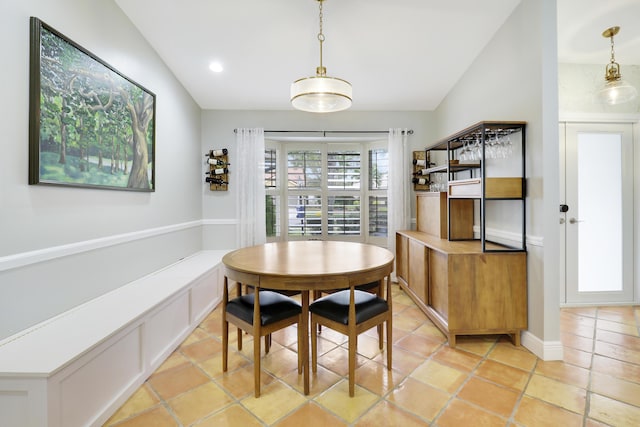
[(420, 181), (423, 163), (217, 153), (217, 171), (421, 172), (217, 162), (215, 180)]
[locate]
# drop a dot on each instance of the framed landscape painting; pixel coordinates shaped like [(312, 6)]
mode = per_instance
[(89, 126)]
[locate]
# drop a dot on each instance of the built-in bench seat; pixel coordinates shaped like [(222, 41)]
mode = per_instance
[(79, 367)]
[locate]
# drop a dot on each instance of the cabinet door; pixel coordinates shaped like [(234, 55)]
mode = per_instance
[(431, 213), (461, 219), (402, 257), (439, 283), (418, 270), (488, 292)]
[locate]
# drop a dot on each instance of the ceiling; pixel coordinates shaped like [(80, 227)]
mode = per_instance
[(399, 55)]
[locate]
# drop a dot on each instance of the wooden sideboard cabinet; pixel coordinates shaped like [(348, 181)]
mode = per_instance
[(462, 289), (469, 281)]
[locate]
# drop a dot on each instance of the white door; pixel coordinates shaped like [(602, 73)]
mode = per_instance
[(598, 225)]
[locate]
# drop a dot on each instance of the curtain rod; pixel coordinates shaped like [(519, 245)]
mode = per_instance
[(325, 132)]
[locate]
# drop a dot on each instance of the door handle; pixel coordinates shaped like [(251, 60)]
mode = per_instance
[(573, 220)]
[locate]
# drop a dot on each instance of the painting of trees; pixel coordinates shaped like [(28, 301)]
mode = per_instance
[(89, 125)]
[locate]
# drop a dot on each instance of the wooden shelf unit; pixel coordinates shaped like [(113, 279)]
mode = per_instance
[(480, 184), (466, 285)]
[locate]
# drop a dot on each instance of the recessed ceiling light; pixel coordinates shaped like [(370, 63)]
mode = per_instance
[(216, 67)]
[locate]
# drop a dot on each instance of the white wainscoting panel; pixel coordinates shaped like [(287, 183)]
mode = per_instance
[(78, 368), (167, 324), (85, 392)]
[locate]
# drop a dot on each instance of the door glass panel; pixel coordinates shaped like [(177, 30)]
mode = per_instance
[(600, 216)]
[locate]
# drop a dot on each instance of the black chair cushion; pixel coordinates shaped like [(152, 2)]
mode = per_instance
[(273, 307), (336, 306)]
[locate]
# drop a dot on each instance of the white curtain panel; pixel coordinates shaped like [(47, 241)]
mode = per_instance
[(249, 180), (398, 216)]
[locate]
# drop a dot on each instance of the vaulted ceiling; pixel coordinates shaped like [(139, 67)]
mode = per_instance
[(398, 55)]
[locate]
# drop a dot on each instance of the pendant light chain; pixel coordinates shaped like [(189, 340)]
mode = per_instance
[(613, 57), (321, 70)]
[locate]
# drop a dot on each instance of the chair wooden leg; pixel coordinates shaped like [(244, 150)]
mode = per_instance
[(225, 324), (353, 341), (316, 295), (256, 365), (239, 339), (379, 295), (225, 344), (389, 342), (300, 338), (267, 343), (314, 344), (389, 324)]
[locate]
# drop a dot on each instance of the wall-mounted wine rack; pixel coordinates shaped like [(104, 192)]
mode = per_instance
[(218, 175), (421, 162)]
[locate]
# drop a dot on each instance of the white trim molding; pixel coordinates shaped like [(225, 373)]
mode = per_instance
[(46, 254), (32, 257), (599, 117), (545, 350)]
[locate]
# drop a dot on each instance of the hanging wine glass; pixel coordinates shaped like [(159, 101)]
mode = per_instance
[(477, 150), (464, 152), (508, 146)]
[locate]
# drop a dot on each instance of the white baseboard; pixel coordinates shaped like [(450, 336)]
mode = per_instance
[(545, 350)]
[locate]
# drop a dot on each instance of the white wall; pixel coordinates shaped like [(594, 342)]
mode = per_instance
[(218, 208), (62, 246), (514, 78)]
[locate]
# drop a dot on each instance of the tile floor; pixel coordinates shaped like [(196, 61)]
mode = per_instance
[(485, 381)]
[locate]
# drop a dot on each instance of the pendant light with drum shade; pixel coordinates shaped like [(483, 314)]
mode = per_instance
[(321, 93), (615, 90)]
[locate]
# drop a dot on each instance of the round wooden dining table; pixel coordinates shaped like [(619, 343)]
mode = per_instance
[(305, 266)]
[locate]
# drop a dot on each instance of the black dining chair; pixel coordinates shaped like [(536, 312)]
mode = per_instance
[(259, 313), (373, 287), (351, 312), (287, 292)]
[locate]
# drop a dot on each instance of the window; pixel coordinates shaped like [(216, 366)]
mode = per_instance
[(272, 199), (378, 185), (326, 185)]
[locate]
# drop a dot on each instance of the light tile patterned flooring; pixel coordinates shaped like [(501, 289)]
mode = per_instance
[(485, 381)]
